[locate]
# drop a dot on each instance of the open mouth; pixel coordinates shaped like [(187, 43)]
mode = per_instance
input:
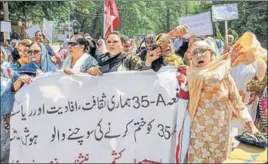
[(168, 50), (201, 62)]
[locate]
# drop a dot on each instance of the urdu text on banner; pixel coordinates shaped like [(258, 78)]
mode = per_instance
[(129, 117)]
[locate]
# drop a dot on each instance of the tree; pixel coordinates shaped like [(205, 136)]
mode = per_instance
[(138, 18)]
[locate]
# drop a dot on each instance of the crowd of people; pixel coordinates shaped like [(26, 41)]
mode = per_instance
[(222, 77)]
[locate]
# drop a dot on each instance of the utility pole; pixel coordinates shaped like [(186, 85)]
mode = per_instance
[(6, 18), (6, 12), (167, 19), (69, 22)]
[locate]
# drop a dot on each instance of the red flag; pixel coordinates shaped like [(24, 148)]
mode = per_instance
[(111, 17)]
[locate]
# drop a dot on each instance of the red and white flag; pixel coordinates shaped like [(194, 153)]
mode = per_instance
[(111, 17)]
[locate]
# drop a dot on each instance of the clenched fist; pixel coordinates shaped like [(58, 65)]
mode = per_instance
[(179, 31)]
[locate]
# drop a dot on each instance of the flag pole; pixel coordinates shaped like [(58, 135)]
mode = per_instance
[(104, 19)]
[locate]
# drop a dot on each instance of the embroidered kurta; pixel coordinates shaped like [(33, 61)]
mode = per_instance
[(82, 64), (216, 98)]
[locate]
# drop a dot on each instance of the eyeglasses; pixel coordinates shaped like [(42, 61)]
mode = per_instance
[(24, 55), (201, 52), (33, 52), (73, 44)]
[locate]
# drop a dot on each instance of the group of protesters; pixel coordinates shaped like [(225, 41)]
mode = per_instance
[(214, 70)]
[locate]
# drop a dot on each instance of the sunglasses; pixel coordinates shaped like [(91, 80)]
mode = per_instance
[(33, 52), (73, 44)]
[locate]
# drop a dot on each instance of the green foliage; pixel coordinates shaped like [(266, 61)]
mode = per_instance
[(138, 18)]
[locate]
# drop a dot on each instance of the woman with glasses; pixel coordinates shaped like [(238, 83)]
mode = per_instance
[(23, 48), (39, 56), (164, 43), (213, 97), (40, 63), (78, 60)]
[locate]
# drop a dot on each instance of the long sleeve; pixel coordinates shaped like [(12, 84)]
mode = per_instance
[(218, 35), (132, 62), (236, 100), (236, 36), (89, 62), (8, 97)]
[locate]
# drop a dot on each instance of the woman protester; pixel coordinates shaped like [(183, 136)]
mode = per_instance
[(78, 60), (117, 60), (213, 97), (40, 37), (40, 63), (23, 48)]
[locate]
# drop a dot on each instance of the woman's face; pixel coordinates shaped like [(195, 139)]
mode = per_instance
[(149, 43), (35, 53), (39, 37), (165, 48), (114, 44), (127, 46), (75, 48), (201, 57), (23, 52), (99, 43)]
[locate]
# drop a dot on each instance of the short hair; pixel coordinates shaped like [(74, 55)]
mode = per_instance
[(25, 42), (39, 44), (40, 32), (122, 38)]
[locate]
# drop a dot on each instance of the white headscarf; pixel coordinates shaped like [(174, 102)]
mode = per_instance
[(101, 49)]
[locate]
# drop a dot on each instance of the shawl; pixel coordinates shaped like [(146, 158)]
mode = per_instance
[(173, 60), (7, 97), (109, 63), (82, 64), (217, 70), (248, 50), (46, 63)]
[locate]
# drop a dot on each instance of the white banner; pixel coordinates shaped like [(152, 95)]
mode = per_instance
[(47, 30), (62, 37), (130, 117), (224, 12), (32, 30), (200, 24), (5, 26)]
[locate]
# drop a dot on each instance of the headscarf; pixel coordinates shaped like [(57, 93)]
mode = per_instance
[(172, 59), (7, 97), (217, 68), (102, 49), (213, 45), (46, 63)]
